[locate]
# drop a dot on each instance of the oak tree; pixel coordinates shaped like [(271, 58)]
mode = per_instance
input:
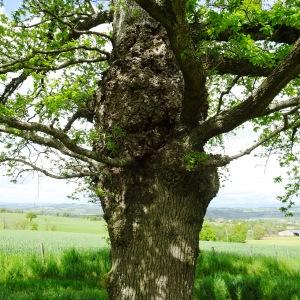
[(139, 111)]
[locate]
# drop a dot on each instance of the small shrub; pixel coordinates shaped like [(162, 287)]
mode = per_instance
[(258, 232), (31, 215), (34, 226), (238, 233), (208, 233)]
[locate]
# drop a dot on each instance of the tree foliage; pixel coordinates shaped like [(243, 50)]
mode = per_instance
[(31, 215), (207, 233), (240, 62)]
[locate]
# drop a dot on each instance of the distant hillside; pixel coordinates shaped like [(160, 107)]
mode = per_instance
[(72, 209), (248, 213), (87, 209)]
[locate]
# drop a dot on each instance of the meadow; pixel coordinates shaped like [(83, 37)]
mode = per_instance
[(75, 263), (19, 221), (58, 233), (27, 241), (82, 275)]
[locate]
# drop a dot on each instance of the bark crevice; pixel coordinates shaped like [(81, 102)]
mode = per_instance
[(154, 207)]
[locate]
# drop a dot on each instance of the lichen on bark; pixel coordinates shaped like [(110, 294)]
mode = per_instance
[(142, 91), (154, 207)]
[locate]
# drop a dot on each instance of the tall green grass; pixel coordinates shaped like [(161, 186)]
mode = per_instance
[(72, 275), (80, 275), (230, 276)]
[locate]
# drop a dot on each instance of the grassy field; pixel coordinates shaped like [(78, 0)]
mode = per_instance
[(27, 241), (283, 247), (268, 269), (52, 223), (71, 275), (81, 275), (83, 233)]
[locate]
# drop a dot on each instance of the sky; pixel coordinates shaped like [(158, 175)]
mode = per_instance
[(250, 183), (11, 5)]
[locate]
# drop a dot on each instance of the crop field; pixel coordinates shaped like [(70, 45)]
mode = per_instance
[(284, 247), (27, 241), (82, 233), (75, 262), (52, 223)]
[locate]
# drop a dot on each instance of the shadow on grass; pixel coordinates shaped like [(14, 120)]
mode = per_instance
[(80, 275), (72, 275), (48, 289), (236, 277)]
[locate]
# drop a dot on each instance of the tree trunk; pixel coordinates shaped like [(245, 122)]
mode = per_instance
[(154, 217), (155, 207)]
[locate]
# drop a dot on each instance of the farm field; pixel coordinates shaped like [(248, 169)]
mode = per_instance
[(276, 247), (52, 223), (27, 241), (83, 233), (75, 264)]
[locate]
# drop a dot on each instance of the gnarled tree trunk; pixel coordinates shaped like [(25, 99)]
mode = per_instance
[(155, 207)]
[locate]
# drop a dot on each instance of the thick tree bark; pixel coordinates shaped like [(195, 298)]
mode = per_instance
[(154, 207), (154, 217)]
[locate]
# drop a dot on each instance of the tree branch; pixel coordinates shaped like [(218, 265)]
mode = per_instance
[(45, 172), (79, 47), (282, 105), (235, 66), (280, 33), (85, 25), (62, 137), (22, 63), (66, 64), (254, 105), (219, 161), (226, 92), (48, 142), (80, 113), (154, 10), (94, 20), (13, 86)]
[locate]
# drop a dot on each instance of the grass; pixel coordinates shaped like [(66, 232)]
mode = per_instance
[(26, 241), (53, 223), (268, 269), (278, 241), (283, 247), (80, 275), (230, 276), (71, 275)]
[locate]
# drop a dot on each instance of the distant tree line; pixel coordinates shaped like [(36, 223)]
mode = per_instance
[(237, 232)]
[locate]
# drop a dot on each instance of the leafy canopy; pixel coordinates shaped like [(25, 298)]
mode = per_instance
[(53, 55)]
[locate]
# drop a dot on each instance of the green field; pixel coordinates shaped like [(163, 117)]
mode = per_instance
[(257, 270), (82, 233), (52, 223), (81, 275), (27, 241), (284, 247)]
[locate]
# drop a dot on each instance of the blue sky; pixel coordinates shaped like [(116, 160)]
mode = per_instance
[(11, 5)]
